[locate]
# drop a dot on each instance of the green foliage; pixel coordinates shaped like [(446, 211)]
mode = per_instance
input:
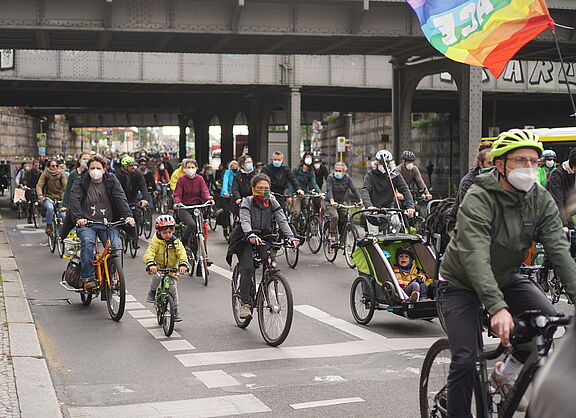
[(431, 119)]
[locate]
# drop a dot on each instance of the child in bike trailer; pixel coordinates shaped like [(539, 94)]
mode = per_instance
[(163, 244), (411, 279)]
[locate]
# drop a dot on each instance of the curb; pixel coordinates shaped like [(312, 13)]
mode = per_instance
[(36, 394)]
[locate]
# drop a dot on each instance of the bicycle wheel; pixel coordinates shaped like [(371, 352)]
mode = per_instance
[(133, 249), (292, 254), (203, 258), (86, 298), (212, 218), (275, 309), (116, 290), (330, 250), (148, 223), (52, 239), (362, 300), (59, 240), (242, 323), (349, 239), (124, 238), (168, 314), (439, 310), (35, 214), (314, 234)]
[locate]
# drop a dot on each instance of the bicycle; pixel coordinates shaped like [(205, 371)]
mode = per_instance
[(272, 295), (532, 328), (198, 253), (54, 239), (146, 222), (161, 199), (130, 242), (291, 253), (164, 302), (109, 276), (345, 237)]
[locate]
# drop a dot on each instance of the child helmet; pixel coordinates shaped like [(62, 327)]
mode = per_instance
[(165, 220)]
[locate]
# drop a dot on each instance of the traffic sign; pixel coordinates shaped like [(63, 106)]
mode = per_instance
[(341, 144)]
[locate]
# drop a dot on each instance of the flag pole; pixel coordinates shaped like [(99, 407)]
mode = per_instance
[(565, 75)]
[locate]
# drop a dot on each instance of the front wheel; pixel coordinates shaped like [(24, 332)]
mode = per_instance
[(52, 238), (147, 223), (115, 289), (275, 309), (59, 241), (203, 259), (236, 301), (35, 214), (362, 300), (292, 254), (349, 245), (168, 315), (314, 235), (212, 218), (330, 249), (133, 249)]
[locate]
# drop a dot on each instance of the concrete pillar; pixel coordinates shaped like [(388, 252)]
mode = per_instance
[(403, 88), (294, 125), (227, 137), (182, 139), (470, 94), (201, 138), (258, 116)]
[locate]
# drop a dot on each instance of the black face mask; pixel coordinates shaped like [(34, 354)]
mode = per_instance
[(235, 170)]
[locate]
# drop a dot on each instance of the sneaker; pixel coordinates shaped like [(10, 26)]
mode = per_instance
[(503, 383), (177, 315), (49, 230), (90, 284), (415, 296), (151, 298), (245, 311)]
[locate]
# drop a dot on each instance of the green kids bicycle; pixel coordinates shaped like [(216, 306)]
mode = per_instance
[(164, 304)]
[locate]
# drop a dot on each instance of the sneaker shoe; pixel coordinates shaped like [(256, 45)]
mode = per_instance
[(90, 284), (503, 383), (177, 315), (151, 298), (245, 311), (415, 296)]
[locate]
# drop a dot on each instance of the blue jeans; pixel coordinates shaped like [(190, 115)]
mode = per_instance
[(49, 206), (87, 237)]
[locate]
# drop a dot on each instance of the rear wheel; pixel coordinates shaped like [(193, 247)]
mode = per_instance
[(147, 223), (439, 301), (330, 250), (349, 245), (362, 300), (275, 309), (203, 258), (168, 315), (212, 218), (35, 214), (236, 301), (59, 239), (52, 238), (314, 234), (292, 254), (19, 209), (115, 290), (133, 249)]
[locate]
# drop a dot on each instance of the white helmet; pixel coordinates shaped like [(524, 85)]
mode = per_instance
[(384, 156)]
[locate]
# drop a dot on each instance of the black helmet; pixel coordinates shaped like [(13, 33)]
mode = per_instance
[(142, 160), (317, 159), (408, 156)]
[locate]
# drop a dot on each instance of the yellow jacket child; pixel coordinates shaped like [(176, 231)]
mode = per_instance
[(155, 254)]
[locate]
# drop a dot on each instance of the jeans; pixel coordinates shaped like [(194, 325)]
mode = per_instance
[(49, 206), (461, 309), (87, 237)]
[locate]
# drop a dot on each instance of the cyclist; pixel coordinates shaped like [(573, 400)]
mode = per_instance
[(337, 186), (384, 184), (241, 184), (24, 167), (500, 216), (165, 243), (226, 191), (548, 166), (304, 173), (50, 187), (161, 174), (134, 187), (168, 164), (29, 180), (148, 179), (256, 213), (561, 186), (411, 174), (81, 165), (176, 174), (320, 171), (190, 190), (208, 176), (281, 176), (258, 167), (96, 195)]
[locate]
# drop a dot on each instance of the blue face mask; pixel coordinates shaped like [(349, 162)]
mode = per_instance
[(277, 164), (248, 167), (83, 164), (339, 176)]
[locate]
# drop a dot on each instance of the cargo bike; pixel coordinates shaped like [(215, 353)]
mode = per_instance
[(376, 287)]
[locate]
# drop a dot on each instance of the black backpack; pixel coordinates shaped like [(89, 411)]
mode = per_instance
[(437, 221)]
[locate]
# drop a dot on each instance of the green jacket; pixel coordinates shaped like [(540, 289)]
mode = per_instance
[(543, 175), (494, 229)]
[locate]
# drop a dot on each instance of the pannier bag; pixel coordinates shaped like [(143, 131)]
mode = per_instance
[(437, 221), (72, 274)]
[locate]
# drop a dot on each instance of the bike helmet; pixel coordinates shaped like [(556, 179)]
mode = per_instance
[(165, 220), (142, 160), (548, 153), (515, 139), (384, 156), (127, 160), (408, 156)]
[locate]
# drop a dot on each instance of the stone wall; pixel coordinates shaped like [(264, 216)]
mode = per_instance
[(17, 135)]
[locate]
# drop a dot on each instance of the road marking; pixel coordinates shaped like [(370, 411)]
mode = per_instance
[(216, 379), (227, 274), (134, 305), (159, 333), (325, 403), (36, 231), (205, 407), (130, 298), (338, 323), (142, 314), (148, 322), (177, 345)]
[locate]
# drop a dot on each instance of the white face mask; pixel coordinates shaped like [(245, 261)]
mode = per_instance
[(550, 163), (317, 166), (381, 168), (191, 172), (523, 178), (308, 161), (96, 174), (410, 166)]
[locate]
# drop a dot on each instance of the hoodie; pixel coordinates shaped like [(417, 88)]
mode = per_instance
[(494, 229)]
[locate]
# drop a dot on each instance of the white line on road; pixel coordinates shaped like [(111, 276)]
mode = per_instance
[(148, 322), (177, 345), (206, 407), (134, 305), (159, 333), (227, 274), (216, 379), (142, 314), (130, 298), (325, 403)]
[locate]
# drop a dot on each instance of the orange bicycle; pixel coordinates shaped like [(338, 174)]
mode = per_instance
[(109, 275)]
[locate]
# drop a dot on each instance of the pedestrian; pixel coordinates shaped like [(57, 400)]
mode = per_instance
[(430, 170)]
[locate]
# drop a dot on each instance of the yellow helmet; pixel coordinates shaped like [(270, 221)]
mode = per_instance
[(514, 139)]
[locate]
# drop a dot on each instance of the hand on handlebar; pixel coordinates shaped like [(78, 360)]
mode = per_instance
[(372, 208), (152, 270), (428, 196), (211, 202), (410, 212), (143, 203), (255, 240), (300, 192), (183, 269), (295, 243), (502, 323), (333, 203), (566, 229), (399, 196), (81, 223), (130, 221)]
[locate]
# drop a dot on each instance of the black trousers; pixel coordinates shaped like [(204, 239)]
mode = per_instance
[(187, 219), (246, 264), (461, 309)]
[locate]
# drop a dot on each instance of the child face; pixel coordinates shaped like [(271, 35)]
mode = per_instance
[(403, 260), (166, 233)]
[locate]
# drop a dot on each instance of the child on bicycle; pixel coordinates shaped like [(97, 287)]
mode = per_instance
[(165, 251), (411, 279)]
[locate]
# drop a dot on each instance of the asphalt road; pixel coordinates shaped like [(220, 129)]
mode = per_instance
[(211, 366)]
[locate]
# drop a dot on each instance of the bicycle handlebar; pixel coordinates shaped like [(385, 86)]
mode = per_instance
[(356, 205), (203, 205), (378, 211), (115, 224)]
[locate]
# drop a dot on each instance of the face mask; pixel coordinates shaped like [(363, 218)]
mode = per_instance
[(27, 168), (381, 169), (550, 163), (523, 178), (161, 166), (234, 170), (410, 166), (277, 164), (308, 161), (84, 164), (190, 172), (339, 176), (317, 166), (260, 195), (96, 174), (248, 167)]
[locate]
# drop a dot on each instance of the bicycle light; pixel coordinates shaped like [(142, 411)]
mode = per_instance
[(273, 264), (197, 212)]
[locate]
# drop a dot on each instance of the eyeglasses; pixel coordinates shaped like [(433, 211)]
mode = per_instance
[(262, 188), (524, 161), (52, 166)]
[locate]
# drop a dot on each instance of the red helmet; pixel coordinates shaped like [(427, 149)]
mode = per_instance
[(164, 221)]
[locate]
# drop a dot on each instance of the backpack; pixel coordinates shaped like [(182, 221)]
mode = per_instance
[(437, 221), (72, 274), (221, 217)]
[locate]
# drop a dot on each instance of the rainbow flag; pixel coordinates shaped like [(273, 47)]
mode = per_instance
[(485, 33)]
